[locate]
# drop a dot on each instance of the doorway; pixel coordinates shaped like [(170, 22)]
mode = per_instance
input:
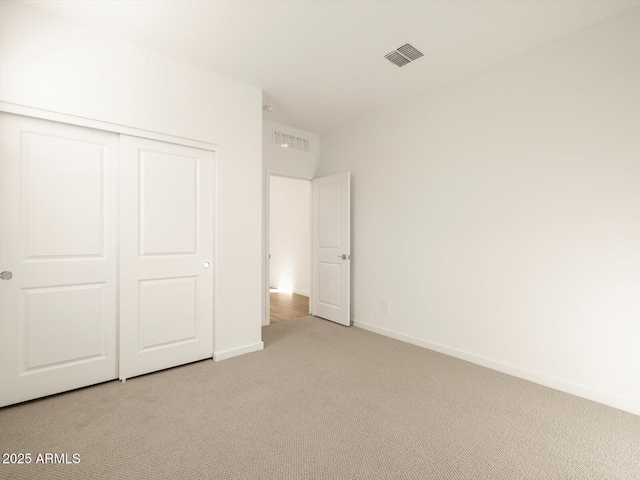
[(289, 243)]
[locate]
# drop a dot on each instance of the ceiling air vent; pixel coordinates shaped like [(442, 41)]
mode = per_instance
[(403, 55), (291, 142)]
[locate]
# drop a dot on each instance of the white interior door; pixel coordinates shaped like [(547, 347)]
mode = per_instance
[(166, 255), (331, 297), (58, 257)]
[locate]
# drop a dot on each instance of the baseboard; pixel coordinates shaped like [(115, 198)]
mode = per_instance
[(234, 352), (297, 292), (582, 391)]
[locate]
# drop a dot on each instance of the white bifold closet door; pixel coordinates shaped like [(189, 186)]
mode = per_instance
[(166, 255), (57, 257)]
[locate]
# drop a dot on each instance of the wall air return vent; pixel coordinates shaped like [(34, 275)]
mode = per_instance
[(291, 142), (403, 55)]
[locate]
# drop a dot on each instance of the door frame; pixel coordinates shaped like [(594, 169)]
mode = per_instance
[(266, 237)]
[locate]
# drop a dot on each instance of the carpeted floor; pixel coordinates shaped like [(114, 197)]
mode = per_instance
[(324, 401)]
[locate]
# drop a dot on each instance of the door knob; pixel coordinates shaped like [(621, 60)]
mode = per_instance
[(206, 264), (344, 256), (6, 275)]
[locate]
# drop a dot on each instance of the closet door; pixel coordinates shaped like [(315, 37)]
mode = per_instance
[(57, 257), (166, 255)]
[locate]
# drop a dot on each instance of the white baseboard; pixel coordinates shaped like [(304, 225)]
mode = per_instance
[(614, 401), (297, 292), (234, 352)]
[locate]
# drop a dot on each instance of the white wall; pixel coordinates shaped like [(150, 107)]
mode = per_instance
[(501, 215), (51, 64), (290, 227)]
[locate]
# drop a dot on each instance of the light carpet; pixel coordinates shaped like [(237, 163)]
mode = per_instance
[(324, 401)]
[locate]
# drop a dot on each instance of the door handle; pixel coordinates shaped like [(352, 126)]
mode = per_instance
[(344, 256), (6, 275)]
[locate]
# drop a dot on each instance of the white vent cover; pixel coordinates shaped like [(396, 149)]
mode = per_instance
[(291, 142), (403, 55)]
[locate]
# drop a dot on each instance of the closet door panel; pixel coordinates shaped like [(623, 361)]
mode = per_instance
[(166, 255), (58, 251)]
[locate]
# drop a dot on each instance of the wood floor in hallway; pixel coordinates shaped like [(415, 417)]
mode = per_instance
[(288, 306)]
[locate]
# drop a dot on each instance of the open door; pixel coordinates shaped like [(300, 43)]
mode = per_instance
[(331, 212)]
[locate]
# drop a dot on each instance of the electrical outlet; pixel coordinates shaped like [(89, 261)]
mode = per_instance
[(386, 306)]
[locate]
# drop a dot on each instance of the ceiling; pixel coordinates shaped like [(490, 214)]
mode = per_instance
[(321, 63)]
